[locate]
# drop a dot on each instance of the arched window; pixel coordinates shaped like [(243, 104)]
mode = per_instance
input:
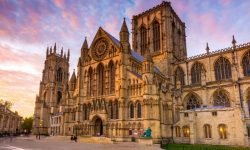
[(100, 79), (221, 99), (196, 73), (59, 97), (207, 131), (222, 131), (246, 64), (222, 69), (90, 82), (156, 36), (177, 131), (186, 131), (143, 32), (138, 110), (115, 110), (193, 102), (179, 76), (248, 101), (111, 78), (111, 111), (85, 112), (131, 110), (59, 75)]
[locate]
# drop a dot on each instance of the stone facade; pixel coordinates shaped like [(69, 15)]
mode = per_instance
[(10, 122), (119, 91)]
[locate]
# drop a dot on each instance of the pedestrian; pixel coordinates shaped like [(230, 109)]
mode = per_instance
[(11, 136), (75, 138)]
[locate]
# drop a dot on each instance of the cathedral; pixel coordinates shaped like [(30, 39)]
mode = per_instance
[(120, 89)]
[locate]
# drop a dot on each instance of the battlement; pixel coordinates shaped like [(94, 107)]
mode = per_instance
[(237, 47)]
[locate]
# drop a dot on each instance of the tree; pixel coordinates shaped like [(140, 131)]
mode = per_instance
[(8, 104), (27, 124)]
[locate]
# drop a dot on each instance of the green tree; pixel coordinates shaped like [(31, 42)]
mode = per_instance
[(8, 104), (27, 124)]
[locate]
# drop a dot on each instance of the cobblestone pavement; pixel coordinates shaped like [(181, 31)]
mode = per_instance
[(30, 143)]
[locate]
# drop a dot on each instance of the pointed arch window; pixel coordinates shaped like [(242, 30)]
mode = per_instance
[(179, 76), (221, 99), (100, 79), (59, 75), (59, 97), (193, 102), (143, 32), (138, 110), (111, 78), (131, 110), (111, 110), (222, 69), (90, 82), (246, 64), (85, 112), (186, 131), (115, 110), (222, 131), (156, 36), (248, 101), (207, 131), (177, 131), (196, 71)]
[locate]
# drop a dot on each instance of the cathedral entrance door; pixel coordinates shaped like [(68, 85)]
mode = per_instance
[(98, 128)]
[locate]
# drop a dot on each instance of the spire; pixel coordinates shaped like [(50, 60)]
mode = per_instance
[(124, 27), (85, 44), (55, 48), (124, 38), (50, 49), (73, 77), (47, 52), (207, 48), (64, 56), (234, 42), (62, 52), (68, 55)]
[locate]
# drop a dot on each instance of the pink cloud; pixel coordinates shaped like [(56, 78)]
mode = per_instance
[(9, 55)]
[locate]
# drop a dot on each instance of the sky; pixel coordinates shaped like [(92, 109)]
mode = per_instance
[(27, 27)]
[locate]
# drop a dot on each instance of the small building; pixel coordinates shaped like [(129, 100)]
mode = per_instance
[(10, 122)]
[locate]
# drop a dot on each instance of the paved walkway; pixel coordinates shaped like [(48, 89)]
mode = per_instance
[(47, 143)]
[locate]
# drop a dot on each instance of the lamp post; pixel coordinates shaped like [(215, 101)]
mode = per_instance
[(40, 126)]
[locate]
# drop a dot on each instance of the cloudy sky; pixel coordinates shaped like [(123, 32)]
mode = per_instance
[(27, 27)]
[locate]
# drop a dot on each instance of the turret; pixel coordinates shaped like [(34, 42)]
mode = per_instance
[(68, 55), (50, 51), (84, 47), (55, 48), (62, 52), (72, 81), (207, 48), (124, 37), (148, 64), (47, 52), (234, 42)]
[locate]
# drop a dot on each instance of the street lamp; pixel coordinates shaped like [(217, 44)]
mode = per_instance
[(40, 126)]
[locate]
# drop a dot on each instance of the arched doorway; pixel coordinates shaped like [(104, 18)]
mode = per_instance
[(98, 127)]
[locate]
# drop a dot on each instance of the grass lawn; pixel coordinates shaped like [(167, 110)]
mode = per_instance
[(202, 147)]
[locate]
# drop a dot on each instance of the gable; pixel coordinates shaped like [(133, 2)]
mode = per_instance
[(103, 44)]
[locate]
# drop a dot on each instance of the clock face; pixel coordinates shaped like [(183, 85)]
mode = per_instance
[(100, 49)]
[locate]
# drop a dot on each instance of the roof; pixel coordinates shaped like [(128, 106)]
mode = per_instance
[(73, 77), (112, 38), (137, 56)]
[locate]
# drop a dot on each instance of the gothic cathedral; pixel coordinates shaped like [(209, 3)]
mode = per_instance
[(120, 90)]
